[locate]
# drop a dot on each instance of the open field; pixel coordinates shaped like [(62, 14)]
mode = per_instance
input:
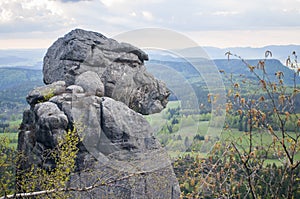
[(181, 142)]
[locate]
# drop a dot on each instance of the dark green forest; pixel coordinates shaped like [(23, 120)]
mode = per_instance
[(15, 83)]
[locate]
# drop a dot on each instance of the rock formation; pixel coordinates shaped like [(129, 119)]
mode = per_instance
[(118, 65), (103, 87)]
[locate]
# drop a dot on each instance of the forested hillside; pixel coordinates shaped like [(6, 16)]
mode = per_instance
[(234, 66), (15, 83)]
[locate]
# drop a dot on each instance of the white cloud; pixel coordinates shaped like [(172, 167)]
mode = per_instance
[(245, 38), (110, 3), (133, 14), (225, 13), (72, 1), (147, 15), (31, 15), (56, 17), (5, 15)]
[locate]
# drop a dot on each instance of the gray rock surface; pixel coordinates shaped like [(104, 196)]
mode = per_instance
[(119, 65), (91, 83), (117, 144), (44, 93), (41, 128)]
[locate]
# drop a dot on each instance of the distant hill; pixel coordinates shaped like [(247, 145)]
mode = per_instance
[(32, 58), (21, 70), (233, 66), (271, 66), (180, 72), (14, 78), (280, 52), (15, 83), (24, 58)]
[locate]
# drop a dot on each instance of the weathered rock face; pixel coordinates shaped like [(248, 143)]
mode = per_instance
[(118, 65), (101, 95)]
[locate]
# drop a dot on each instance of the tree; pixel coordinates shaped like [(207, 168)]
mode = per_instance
[(36, 181), (260, 162), (4, 126), (274, 97), (7, 167)]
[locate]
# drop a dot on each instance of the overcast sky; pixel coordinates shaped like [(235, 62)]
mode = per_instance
[(220, 23)]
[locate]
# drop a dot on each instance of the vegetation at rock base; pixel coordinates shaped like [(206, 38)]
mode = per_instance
[(38, 181), (7, 167), (261, 159), (221, 175)]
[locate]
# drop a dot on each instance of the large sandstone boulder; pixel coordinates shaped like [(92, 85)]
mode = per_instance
[(119, 66), (103, 98)]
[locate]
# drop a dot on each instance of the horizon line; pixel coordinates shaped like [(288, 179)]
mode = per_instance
[(204, 46)]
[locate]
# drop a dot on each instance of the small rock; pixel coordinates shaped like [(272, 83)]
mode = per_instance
[(44, 93), (91, 83), (74, 89)]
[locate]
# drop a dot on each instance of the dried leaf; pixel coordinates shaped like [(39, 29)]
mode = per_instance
[(261, 65), (261, 99), (281, 99), (243, 101), (263, 84), (251, 68), (279, 74)]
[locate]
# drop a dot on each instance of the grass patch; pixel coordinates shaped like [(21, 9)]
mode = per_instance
[(12, 137), (15, 123), (192, 125), (272, 161)]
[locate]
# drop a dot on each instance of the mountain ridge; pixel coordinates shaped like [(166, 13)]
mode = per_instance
[(33, 57), (280, 52)]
